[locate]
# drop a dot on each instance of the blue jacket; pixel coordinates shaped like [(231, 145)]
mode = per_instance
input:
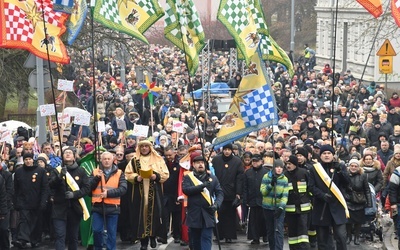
[(199, 214)]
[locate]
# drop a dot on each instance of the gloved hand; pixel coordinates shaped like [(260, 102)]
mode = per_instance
[(69, 195), (274, 180), (206, 184), (327, 197), (338, 167), (62, 173), (213, 208), (278, 213)]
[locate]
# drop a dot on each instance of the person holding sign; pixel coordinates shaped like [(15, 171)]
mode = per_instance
[(147, 172), (200, 187)]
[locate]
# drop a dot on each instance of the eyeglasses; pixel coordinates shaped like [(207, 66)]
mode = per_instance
[(119, 154)]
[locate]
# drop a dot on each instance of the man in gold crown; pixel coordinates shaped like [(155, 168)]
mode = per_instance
[(147, 172)]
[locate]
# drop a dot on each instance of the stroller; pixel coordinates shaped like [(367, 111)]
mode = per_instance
[(373, 223)]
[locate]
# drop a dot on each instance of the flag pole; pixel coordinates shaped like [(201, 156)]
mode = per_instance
[(52, 82), (95, 139), (333, 72), (192, 95), (197, 118)]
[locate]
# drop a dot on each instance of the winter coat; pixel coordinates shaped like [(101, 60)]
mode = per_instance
[(299, 194), (111, 193), (229, 171), (30, 188), (58, 187), (390, 167), (252, 182), (374, 174), (394, 187), (199, 214), (274, 196), (359, 184), (318, 189)]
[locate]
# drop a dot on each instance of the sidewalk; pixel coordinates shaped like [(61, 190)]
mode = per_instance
[(389, 242)]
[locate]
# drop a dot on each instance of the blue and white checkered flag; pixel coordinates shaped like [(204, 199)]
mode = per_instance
[(259, 106), (253, 106)]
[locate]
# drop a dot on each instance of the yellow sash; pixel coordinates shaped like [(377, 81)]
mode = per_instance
[(334, 189), (74, 187), (196, 182)]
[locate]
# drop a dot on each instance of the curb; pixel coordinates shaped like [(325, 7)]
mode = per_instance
[(389, 242)]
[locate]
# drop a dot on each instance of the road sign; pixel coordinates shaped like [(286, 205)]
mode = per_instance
[(386, 49), (386, 64)]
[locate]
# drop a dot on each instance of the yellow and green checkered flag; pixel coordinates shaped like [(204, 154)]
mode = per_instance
[(270, 50), (183, 28), (132, 17), (238, 18)]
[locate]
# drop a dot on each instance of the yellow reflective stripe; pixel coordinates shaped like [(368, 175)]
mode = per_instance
[(302, 190), (298, 239), (305, 207), (312, 232), (290, 208), (290, 186)]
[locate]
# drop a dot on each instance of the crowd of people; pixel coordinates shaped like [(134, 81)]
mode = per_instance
[(335, 137)]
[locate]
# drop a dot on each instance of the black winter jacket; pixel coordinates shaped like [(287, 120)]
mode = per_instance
[(359, 184), (252, 182), (30, 188), (58, 187)]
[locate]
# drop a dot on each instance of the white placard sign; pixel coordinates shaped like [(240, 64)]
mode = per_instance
[(64, 118), (177, 126), (65, 85), (140, 130), (82, 119), (6, 136), (47, 110), (101, 126)]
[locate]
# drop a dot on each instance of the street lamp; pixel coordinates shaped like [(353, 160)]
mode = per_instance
[(292, 26)]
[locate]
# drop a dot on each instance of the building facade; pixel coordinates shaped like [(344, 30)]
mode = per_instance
[(356, 45)]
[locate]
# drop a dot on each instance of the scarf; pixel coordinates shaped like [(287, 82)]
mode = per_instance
[(334, 189)]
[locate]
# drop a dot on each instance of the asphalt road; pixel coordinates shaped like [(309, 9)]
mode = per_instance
[(240, 243)]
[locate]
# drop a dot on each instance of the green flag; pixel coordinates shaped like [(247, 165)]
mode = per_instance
[(183, 28)]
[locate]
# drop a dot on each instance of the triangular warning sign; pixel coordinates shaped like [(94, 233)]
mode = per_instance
[(386, 49)]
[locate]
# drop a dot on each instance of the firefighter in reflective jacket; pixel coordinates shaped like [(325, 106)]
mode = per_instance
[(298, 206), (304, 158)]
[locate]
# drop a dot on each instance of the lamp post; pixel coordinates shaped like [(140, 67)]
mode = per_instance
[(292, 26)]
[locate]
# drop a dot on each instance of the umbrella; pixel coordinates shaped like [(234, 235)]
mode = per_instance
[(72, 111), (13, 125)]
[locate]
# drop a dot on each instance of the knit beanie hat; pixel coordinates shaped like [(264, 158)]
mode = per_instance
[(302, 151), (27, 155), (293, 160), (229, 146), (43, 157), (326, 147), (354, 161)]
